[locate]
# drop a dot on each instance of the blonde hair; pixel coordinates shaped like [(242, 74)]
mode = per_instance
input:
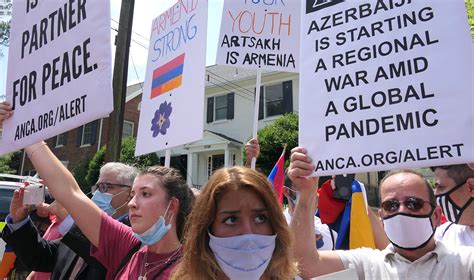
[(198, 261)]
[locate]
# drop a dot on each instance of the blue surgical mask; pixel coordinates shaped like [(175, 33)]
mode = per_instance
[(156, 232), (244, 256), (103, 201)]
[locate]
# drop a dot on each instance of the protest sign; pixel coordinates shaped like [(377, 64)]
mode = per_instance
[(59, 69), (260, 33), (385, 84), (172, 109)]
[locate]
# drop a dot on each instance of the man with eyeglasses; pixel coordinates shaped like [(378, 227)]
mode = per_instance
[(454, 191), (69, 258), (410, 216)]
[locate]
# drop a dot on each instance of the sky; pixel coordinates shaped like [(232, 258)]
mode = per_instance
[(144, 13)]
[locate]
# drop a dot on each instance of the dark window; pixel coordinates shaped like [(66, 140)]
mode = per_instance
[(276, 100), (220, 107), (61, 140), (86, 134)]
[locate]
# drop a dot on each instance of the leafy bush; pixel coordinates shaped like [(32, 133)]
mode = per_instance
[(126, 156), (10, 163), (273, 137), (80, 173)]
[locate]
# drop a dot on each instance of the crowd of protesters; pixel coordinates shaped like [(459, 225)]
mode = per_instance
[(149, 224)]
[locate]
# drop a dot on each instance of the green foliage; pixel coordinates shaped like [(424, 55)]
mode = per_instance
[(126, 156), (470, 14), (4, 33), (80, 173), (10, 163), (273, 137), (94, 166)]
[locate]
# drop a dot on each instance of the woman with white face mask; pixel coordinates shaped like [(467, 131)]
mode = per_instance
[(237, 230), (160, 203)]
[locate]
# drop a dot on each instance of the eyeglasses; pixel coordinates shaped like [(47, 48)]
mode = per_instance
[(104, 187), (412, 203)]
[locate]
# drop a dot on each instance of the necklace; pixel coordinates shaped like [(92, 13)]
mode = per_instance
[(170, 260)]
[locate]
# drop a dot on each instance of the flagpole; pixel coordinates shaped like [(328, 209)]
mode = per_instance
[(255, 114), (167, 158)]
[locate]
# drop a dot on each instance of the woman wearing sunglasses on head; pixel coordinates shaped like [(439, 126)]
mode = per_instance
[(237, 230), (160, 203)]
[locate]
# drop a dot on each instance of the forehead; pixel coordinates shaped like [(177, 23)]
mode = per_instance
[(147, 180), (403, 185), (239, 198), (441, 176), (108, 177)]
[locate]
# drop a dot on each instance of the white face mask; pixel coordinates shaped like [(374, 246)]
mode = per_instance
[(244, 256), (407, 231)]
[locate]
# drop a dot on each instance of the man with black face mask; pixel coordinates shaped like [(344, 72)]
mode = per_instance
[(454, 191), (410, 216)]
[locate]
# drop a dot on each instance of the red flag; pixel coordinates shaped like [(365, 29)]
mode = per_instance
[(277, 176)]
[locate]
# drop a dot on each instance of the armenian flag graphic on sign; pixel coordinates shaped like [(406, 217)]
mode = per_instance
[(167, 77)]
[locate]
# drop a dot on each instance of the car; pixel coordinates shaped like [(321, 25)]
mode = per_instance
[(8, 184)]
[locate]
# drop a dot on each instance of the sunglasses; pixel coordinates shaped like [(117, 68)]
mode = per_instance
[(412, 203), (104, 187)]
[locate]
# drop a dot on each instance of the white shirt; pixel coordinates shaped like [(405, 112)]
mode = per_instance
[(441, 263), (324, 240), (453, 235)]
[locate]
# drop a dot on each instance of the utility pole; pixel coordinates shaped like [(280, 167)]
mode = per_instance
[(119, 84)]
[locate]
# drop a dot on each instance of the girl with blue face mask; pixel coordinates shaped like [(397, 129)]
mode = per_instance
[(237, 230), (160, 203)]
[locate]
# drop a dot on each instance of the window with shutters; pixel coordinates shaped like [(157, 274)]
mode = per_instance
[(127, 129), (220, 107), (220, 104), (276, 99), (87, 134), (61, 140)]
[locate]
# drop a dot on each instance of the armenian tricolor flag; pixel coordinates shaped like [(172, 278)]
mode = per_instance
[(167, 77), (277, 176), (350, 219), (8, 258)]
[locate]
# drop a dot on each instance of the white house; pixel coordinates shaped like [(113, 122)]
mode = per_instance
[(228, 118), (228, 121)]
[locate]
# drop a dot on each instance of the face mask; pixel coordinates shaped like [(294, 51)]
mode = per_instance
[(244, 256), (156, 232), (409, 232), (103, 201), (452, 212)]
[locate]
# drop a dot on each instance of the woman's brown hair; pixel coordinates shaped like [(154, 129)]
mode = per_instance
[(198, 261)]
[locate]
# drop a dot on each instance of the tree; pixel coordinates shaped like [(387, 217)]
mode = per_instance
[(4, 33), (273, 137), (80, 173), (10, 163), (127, 156), (470, 14)]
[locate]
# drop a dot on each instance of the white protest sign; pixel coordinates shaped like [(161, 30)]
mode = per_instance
[(172, 109), (59, 69), (260, 33), (386, 84)]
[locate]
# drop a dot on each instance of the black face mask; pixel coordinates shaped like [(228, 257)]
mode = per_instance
[(451, 210)]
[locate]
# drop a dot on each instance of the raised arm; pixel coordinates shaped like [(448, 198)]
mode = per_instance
[(5, 112), (252, 150), (311, 262), (380, 237), (64, 189)]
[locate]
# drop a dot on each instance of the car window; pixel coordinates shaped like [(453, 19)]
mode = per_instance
[(6, 195)]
